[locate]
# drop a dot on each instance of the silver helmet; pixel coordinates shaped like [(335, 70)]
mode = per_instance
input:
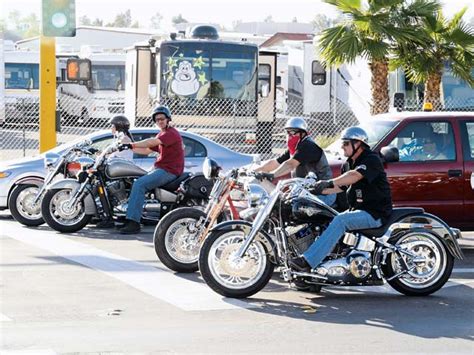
[(356, 134), (297, 123)]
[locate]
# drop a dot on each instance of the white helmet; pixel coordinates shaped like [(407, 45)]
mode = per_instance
[(356, 134), (297, 123)]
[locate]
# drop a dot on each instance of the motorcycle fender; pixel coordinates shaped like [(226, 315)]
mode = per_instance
[(447, 234), (30, 180), (262, 237), (73, 185)]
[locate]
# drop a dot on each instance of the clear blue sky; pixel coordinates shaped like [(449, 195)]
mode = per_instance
[(217, 11)]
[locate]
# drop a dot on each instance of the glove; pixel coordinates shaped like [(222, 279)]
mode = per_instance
[(124, 146), (322, 185), (264, 176), (92, 150)]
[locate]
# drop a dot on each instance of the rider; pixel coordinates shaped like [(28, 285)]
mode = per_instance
[(368, 192), (121, 124), (169, 165), (302, 156)]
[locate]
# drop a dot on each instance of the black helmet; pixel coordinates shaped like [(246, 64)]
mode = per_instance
[(121, 123), (161, 109)]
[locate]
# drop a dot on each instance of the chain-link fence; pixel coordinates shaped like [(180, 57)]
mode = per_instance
[(247, 127)]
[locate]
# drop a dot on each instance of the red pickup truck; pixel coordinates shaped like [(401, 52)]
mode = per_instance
[(429, 160)]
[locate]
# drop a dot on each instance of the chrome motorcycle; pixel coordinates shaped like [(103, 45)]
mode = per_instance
[(179, 235), (413, 251), (102, 190), (25, 199)]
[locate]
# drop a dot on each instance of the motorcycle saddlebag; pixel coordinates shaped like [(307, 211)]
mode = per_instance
[(197, 186)]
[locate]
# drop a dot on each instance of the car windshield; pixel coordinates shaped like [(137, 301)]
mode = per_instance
[(376, 130)]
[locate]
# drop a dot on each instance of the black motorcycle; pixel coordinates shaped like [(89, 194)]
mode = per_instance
[(413, 251), (103, 188)]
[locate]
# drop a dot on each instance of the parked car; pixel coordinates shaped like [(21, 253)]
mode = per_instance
[(432, 163), (196, 149)]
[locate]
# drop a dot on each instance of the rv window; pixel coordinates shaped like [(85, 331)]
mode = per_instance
[(21, 76), (264, 77), (318, 73)]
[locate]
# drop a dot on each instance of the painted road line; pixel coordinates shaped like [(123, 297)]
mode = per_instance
[(28, 352), (462, 270), (161, 284), (4, 318)]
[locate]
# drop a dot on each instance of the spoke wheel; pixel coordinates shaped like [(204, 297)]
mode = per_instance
[(22, 207)]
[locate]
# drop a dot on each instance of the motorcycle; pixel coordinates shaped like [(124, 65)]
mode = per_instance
[(179, 235), (413, 251), (103, 187), (25, 199)]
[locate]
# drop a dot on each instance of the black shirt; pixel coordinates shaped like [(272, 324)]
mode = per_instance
[(311, 158), (371, 194)]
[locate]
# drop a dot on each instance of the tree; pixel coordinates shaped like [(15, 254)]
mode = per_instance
[(98, 22), (178, 19), (27, 26), (269, 18), (370, 32), (295, 20), (321, 22), (85, 20), (123, 19), (446, 41), (156, 20)]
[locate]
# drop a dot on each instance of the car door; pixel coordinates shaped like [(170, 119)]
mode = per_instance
[(467, 136), (429, 172)]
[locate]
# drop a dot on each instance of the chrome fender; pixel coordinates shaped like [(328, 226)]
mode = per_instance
[(246, 226), (446, 234), (73, 185)]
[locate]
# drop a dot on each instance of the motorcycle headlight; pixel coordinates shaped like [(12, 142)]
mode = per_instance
[(256, 195), (210, 168), (50, 160)]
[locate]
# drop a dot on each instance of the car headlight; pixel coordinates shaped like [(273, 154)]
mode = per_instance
[(4, 174), (256, 195), (210, 168)]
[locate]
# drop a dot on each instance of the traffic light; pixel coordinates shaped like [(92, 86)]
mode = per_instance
[(59, 18)]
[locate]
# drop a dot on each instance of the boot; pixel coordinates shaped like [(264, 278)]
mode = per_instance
[(130, 227), (106, 223), (299, 264)]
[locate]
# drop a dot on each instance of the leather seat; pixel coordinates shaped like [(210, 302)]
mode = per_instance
[(397, 214), (173, 185)]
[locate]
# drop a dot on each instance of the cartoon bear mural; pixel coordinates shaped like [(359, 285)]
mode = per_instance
[(185, 82)]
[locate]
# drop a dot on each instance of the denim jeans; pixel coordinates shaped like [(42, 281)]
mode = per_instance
[(328, 199), (345, 221), (153, 179)]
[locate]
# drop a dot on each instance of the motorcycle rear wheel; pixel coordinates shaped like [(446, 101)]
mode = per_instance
[(229, 275), (59, 218), (426, 277)]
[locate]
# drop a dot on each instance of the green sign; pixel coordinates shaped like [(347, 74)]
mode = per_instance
[(59, 18)]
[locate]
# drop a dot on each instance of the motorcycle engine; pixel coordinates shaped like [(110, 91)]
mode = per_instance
[(117, 192), (353, 268), (302, 236)]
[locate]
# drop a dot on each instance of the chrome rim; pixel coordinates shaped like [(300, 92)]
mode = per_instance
[(429, 264), (181, 241), (62, 213), (25, 206), (231, 271)]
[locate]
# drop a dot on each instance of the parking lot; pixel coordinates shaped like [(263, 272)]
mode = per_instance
[(100, 292)]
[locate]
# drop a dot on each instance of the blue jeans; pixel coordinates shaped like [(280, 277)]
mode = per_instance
[(345, 221), (328, 199), (153, 179)]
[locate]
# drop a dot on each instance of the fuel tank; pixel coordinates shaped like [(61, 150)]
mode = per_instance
[(118, 168), (310, 210)]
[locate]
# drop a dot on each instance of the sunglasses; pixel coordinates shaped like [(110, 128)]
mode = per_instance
[(292, 132)]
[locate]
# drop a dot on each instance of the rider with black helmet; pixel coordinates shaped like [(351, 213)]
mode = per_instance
[(169, 165), (368, 193), (302, 156), (121, 124)]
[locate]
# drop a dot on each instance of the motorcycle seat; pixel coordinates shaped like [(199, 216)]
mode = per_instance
[(173, 185), (397, 214)]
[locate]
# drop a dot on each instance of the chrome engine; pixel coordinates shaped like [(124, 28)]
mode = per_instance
[(117, 192)]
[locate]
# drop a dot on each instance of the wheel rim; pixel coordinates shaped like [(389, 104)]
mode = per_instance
[(61, 212), (181, 241), (431, 263), (25, 206), (231, 271)]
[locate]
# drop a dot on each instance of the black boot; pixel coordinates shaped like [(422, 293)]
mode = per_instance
[(106, 223), (130, 227), (299, 264)]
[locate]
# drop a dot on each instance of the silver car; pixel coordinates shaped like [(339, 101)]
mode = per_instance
[(196, 149)]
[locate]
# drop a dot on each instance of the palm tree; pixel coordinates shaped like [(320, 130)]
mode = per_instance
[(446, 42), (370, 32)]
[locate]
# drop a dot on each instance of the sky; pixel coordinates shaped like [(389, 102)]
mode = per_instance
[(213, 11)]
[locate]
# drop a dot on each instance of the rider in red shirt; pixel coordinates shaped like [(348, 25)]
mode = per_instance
[(169, 165)]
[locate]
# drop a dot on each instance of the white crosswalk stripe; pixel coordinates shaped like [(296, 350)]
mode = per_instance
[(155, 282), (4, 318)]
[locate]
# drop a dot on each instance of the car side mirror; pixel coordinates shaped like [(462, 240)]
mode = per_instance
[(390, 154)]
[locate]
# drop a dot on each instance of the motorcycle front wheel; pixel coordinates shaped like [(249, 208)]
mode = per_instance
[(226, 273), (175, 239), (59, 215), (428, 272), (22, 207)]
